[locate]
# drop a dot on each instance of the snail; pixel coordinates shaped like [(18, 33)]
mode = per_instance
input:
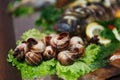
[(77, 45), (76, 40), (33, 58), (77, 48), (36, 46), (46, 39), (20, 50), (60, 41), (49, 53), (67, 58)]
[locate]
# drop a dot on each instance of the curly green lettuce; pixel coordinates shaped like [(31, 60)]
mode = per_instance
[(90, 54), (31, 72), (32, 33), (72, 72)]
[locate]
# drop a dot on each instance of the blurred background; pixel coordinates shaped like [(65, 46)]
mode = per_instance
[(18, 16)]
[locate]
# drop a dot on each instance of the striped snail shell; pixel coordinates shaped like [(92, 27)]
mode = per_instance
[(77, 48), (19, 52), (76, 40), (77, 45), (33, 58), (49, 53), (60, 41), (46, 39), (36, 46), (67, 58)]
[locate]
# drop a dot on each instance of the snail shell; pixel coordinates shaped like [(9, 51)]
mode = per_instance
[(76, 40), (67, 58), (36, 46), (47, 39), (49, 53), (31, 42), (33, 58), (77, 48), (19, 52), (39, 47), (60, 41)]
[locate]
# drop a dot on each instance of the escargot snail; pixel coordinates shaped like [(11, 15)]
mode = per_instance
[(46, 39), (76, 40), (76, 45), (36, 46), (67, 58), (33, 58), (60, 41), (20, 51), (77, 48), (49, 53)]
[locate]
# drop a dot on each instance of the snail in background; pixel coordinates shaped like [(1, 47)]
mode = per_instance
[(75, 19)]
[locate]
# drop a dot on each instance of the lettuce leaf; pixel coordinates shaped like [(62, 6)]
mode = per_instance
[(32, 33), (31, 72), (90, 53), (72, 72)]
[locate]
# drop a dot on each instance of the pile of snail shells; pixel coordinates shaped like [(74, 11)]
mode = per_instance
[(61, 47)]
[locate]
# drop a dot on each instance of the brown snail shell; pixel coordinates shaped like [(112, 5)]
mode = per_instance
[(47, 39), (31, 42), (67, 58), (33, 58), (77, 48), (39, 47), (76, 40), (60, 41), (19, 52), (49, 53)]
